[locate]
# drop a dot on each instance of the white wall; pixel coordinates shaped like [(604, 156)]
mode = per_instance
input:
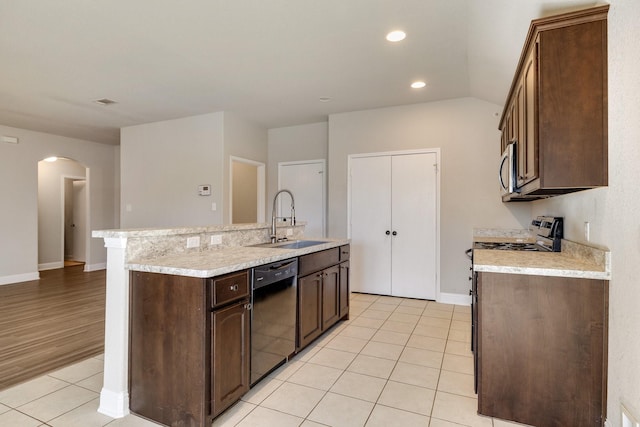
[(164, 162), (50, 212), (162, 165), (19, 195), (614, 212), (466, 131), (293, 143), (244, 139)]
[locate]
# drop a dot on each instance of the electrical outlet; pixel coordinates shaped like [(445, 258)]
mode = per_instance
[(193, 242), (289, 232), (216, 239)]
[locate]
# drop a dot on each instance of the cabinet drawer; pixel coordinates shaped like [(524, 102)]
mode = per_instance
[(317, 261), (344, 252), (229, 287)]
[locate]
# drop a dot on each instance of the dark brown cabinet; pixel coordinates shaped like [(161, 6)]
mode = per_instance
[(189, 346), (230, 334), (542, 349), (556, 110), (323, 292)]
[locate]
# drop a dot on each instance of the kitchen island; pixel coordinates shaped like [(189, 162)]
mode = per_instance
[(541, 334), (191, 251)]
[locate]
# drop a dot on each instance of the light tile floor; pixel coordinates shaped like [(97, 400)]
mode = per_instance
[(396, 362)]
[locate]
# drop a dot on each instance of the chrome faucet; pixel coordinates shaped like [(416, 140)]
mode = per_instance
[(274, 237)]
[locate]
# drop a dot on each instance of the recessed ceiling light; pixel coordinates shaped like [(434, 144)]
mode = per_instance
[(418, 85), (325, 99), (105, 101), (51, 159), (396, 36)]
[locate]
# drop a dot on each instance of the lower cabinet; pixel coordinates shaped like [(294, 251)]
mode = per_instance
[(189, 346), (542, 349), (189, 349), (323, 293), (230, 361)]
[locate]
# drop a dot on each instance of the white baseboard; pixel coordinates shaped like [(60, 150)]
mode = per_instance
[(114, 404), (50, 265), (17, 278), (95, 267), (458, 299)]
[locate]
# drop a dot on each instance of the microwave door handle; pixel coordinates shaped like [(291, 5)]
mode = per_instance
[(504, 159)]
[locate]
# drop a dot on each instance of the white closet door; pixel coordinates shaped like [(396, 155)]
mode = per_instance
[(370, 219), (413, 200), (306, 181)]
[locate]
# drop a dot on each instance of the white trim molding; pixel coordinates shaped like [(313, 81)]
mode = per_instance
[(457, 299), (17, 278)]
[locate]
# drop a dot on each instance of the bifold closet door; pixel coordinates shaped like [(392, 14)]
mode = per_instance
[(413, 219), (370, 222)]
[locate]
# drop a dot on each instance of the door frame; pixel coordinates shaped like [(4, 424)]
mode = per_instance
[(261, 183), (435, 151), (322, 162)]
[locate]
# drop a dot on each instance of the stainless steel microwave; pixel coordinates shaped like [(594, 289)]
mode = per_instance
[(507, 174)]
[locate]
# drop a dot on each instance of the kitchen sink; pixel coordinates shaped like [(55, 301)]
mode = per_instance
[(291, 244)]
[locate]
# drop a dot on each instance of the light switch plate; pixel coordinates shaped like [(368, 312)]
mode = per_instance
[(216, 239)]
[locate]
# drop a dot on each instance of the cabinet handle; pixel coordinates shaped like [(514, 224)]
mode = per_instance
[(387, 232), (248, 306), (395, 233), (233, 288)]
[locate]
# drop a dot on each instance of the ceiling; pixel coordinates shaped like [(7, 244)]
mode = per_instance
[(269, 61)]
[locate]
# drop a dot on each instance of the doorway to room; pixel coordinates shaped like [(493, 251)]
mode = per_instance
[(307, 181), (247, 191), (63, 224)]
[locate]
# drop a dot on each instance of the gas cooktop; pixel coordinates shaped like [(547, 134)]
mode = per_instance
[(533, 247), (548, 231)]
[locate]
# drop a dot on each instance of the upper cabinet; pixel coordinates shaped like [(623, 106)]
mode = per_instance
[(556, 110)]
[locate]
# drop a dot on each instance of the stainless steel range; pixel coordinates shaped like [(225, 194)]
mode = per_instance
[(548, 232)]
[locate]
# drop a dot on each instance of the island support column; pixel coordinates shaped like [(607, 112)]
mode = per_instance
[(114, 397)]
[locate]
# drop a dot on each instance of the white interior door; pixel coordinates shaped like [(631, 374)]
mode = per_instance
[(370, 219), (413, 201), (306, 180)]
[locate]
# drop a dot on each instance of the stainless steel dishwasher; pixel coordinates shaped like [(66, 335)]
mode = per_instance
[(273, 322)]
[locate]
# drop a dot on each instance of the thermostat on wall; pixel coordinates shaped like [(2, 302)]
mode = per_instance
[(204, 190)]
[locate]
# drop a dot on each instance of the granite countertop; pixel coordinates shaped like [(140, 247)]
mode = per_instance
[(558, 264), (215, 262), (575, 259)]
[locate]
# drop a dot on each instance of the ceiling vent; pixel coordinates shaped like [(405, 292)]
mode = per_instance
[(105, 101)]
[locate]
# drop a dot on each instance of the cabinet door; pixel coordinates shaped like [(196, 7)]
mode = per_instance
[(520, 137), (230, 355), (344, 289), (528, 169), (309, 308), (330, 296), (413, 247)]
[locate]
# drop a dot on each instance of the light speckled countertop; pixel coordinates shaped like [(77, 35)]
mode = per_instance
[(575, 260), (224, 260), (557, 264)]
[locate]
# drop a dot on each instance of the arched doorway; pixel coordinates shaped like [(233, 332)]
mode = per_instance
[(63, 195)]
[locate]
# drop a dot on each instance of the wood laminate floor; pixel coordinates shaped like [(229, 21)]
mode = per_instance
[(50, 323)]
